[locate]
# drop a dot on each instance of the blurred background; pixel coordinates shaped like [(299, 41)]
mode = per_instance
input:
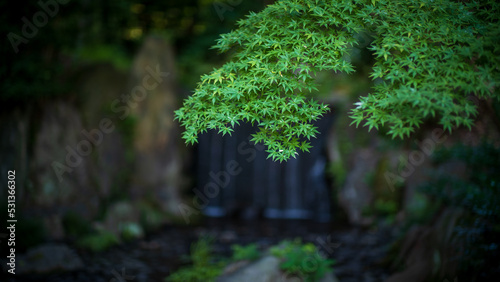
[(88, 90)]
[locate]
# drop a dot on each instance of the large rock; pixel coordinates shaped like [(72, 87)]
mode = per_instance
[(157, 143), (60, 177), (101, 87), (379, 176), (357, 194), (60, 173), (78, 153)]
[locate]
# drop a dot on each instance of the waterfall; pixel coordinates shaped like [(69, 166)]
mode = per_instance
[(261, 187)]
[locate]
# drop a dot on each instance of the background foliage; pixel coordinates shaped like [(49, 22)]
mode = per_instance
[(84, 32), (477, 193)]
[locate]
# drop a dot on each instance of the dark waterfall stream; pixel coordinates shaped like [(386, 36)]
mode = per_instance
[(251, 186)]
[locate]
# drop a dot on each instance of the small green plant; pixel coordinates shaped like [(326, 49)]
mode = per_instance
[(204, 267), (99, 241), (248, 252), (302, 260)]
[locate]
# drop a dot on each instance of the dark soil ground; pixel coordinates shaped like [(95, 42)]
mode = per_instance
[(358, 252)]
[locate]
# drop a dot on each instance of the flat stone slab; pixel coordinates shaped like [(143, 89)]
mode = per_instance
[(48, 258), (265, 269)]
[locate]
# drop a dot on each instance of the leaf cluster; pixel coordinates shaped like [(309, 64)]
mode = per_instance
[(431, 57)]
